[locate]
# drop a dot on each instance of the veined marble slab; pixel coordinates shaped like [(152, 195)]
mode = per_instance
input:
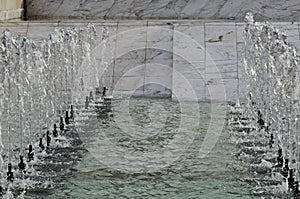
[(160, 37), (221, 89), (189, 42), (130, 38), (220, 51), (165, 9), (129, 67), (158, 80), (128, 83), (227, 69), (220, 32), (190, 70), (158, 70), (192, 30), (187, 89), (240, 32)]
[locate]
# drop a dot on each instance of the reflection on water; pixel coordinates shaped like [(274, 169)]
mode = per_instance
[(124, 145)]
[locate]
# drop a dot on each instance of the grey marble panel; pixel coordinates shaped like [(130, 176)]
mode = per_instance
[(166, 9), (187, 89), (158, 86), (190, 70), (131, 64), (160, 37), (120, 9), (221, 69), (128, 84), (129, 67), (159, 56), (163, 9), (221, 89), (158, 70), (157, 90), (192, 30), (240, 32), (69, 9), (220, 51), (188, 50), (130, 38), (220, 32)]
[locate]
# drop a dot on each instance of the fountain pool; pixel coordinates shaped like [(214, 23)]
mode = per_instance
[(219, 175), (63, 136)]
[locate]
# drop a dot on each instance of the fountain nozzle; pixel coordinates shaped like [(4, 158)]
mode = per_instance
[(91, 97), (55, 133), (61, 124), (72, 112), (67, 118), (280, 158), (41, 144), (296, 190), (48, 138), (21, 165), (86, 102), (10, 174), (291, 179), (104, 91), (285, 170), (30, 153)]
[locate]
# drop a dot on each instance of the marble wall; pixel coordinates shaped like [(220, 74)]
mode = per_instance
[(275, 10), (182, 59)]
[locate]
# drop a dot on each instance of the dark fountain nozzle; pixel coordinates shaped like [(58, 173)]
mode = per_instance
[(10, 174), (48, 138), (280, 158), (21, 165), (86, 102), (41, 144), (91, 97), (61, 124), (67, 118), (291, 179), (271, 142), (55, 132), (260, 121), (296, 190), (30, 153), (104, 91), (72, 112), (285, 170)]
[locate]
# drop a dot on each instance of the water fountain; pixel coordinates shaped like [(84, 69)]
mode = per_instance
[(268, 124), (36, 84)]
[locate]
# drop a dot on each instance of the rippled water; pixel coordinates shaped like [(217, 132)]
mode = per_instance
[(149, 148)]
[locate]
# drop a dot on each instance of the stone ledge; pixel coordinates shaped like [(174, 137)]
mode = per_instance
[(11, 14)]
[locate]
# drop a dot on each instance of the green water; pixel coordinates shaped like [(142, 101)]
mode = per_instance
[(160, 160)]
